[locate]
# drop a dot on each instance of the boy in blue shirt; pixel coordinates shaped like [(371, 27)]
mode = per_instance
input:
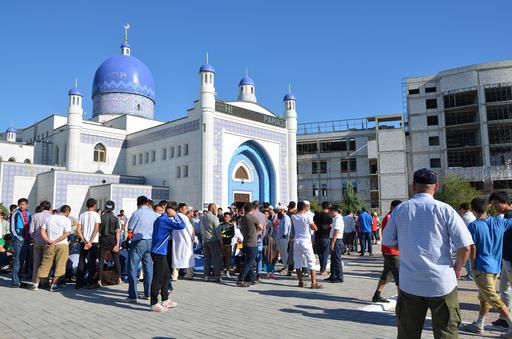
[(162, 230), (485, 258)]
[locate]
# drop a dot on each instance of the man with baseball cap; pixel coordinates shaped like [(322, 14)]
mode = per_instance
[(425, 230), (110, 234)]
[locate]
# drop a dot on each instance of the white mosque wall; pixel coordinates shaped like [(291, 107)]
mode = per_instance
[(131, 123), (17, 152), (169, 155)]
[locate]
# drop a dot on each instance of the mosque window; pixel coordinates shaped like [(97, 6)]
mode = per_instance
[(140, 158), (11, 159), (56, 155), (100, 153), (252, 90), (172, 153), (27, 161), (242, 174), (185, 171), (164, 153), (153, 156), (146, 157), (134, 161), (138, 107)]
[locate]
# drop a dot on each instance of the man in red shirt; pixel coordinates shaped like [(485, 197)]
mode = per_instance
[(391, 260)]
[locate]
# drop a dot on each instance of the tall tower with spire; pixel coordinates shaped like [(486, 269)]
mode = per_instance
[(207, 102), (290, 114), (247, 89), (74, 128)]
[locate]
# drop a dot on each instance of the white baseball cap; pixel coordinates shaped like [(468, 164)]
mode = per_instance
[(307, 202)]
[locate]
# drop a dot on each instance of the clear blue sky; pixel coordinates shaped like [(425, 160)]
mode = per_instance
[(343, 59)]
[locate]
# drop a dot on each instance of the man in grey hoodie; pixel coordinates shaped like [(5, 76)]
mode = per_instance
[(212, 244)]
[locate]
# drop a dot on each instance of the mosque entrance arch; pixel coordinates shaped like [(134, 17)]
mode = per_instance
[(251, 175)]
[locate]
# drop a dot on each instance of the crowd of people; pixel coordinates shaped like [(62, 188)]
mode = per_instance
[(425, 245)]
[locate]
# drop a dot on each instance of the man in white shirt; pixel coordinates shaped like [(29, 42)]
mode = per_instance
[(55, 231), (87, 232), (349, 232), (336, 245), (468, 218), (302, 244), (425, 230)]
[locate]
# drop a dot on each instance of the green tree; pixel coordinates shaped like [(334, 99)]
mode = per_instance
[(315, 206), (350, 200), (454, 190), (4, 209)]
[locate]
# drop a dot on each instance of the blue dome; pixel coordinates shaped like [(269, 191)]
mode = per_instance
[(125, 44), (207, 68), (124, 74), (11, 130), (289, 96), (246, 81), (74, 91)]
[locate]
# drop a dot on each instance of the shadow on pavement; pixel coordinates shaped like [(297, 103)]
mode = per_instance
[(354, 315), (310, 295), (104, 296)]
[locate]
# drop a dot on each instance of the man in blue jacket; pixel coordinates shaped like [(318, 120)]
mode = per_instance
[(20, 229), (365, 230), (162, 230)]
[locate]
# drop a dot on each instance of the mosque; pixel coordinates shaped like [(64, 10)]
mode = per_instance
[(222, 151)]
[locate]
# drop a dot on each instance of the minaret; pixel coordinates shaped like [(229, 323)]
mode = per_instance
[(10, 134), (247, 90), (290, 114), (207, 103), (75, 113), (125, 47)]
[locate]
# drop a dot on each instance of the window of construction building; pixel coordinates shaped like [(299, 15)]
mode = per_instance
[(431, 103), (348, 165), (478, 185), (462, 138), (164, 153), (432, 120), (502, 184), (433, 141), (134, 160), (413, 91), (140, 158), (430, 89), (498, 94), (185, 171), (460, 99), (501, 112), (460, 117), (307, 148), (435, 163), (185, 149), (146, 157), (178, 172), (324, 190), (501, 156), (464, 158), (500, 134), (352, 144), (319, 167), (315, 191), (333, 146), (171, 155), (179, 151)]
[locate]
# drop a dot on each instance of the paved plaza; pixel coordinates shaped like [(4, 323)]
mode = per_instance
[(274, 309)]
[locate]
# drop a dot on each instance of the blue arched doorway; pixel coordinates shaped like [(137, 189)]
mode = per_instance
[(251, 175)]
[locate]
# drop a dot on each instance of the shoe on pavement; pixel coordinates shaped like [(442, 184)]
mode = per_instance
[(473, 328), (158, 308), (131, 300), (34, 287), (55, 288), (228, 275), (169, 303), (379, 300), (242, 284), (501, 323)]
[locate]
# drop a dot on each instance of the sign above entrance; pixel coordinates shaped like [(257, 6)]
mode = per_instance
[(248, 114)]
